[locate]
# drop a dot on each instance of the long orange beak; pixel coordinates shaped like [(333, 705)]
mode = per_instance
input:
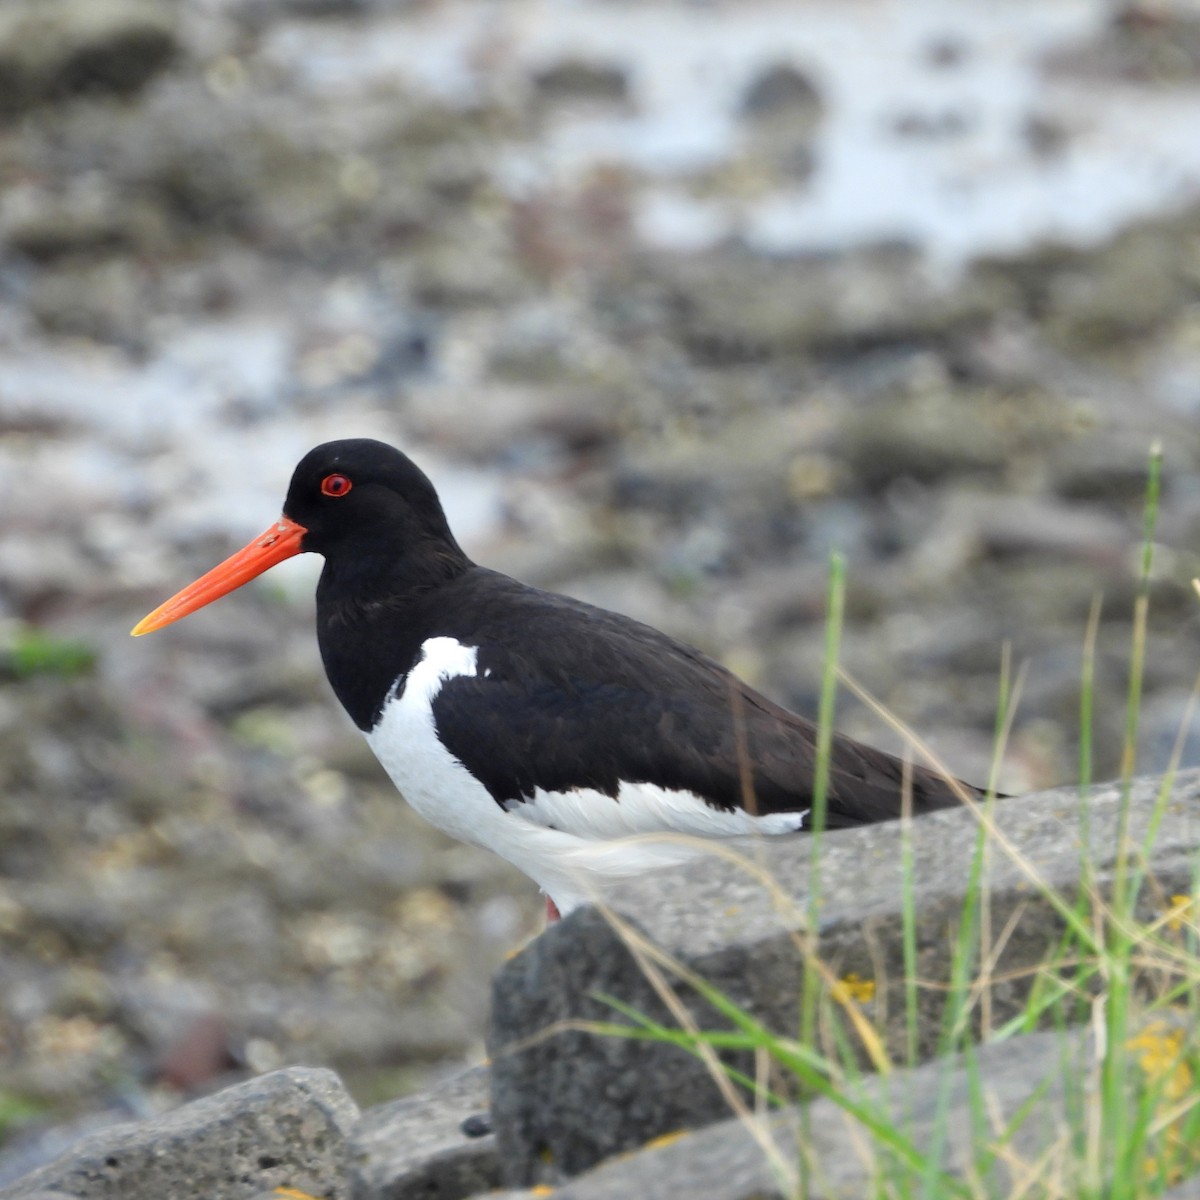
[(272, 546)]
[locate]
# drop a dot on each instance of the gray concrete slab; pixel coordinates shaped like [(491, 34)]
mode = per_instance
[(564, 1098)]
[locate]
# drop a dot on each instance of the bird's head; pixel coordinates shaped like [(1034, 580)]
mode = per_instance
[(354, 500)]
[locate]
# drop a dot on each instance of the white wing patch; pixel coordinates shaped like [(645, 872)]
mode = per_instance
[(647, 808), (577, 846), (442, 658)]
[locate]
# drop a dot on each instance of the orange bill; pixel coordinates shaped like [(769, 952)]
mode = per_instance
[(271, 546)]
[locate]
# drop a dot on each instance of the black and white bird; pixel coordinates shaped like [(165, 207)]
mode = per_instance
[(540, 727)]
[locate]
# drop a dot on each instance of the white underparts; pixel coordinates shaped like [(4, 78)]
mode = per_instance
[(577, 846)]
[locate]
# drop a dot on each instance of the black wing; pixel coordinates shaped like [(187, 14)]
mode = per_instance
[(602, 699)]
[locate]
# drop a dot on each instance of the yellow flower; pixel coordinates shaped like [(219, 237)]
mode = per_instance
[(1180, 911), (852, 987), (1159, 1049)]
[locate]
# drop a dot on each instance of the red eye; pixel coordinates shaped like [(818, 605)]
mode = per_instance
[(335, 485)]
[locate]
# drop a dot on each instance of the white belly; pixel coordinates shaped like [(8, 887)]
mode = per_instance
[(578, 846)]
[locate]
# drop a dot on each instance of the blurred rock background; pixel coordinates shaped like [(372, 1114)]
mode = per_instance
[(671, 299)]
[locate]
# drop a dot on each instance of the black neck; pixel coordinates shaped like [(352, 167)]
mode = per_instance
[(373, 613)]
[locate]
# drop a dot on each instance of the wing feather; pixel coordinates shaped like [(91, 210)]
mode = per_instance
[(602, 701)]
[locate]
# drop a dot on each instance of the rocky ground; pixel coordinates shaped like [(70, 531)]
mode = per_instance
[(584, 1115), (672, 300)]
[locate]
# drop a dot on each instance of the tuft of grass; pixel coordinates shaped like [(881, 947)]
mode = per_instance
[(1133, 1108)]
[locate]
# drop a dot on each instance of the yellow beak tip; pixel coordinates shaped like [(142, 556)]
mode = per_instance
[(150, 623), (146, 625)]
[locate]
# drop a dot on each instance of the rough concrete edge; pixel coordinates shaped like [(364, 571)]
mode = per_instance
[(943, 839), (435, 1157), (666, 906), (726, 1161), (415, 1146), (316, 1087)]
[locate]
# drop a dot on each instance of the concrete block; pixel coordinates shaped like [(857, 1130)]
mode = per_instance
[(288, 1128), (564, 1099), (728, 1162), (415, 1148)]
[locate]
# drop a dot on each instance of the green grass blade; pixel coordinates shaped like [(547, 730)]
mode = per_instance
[(835, 607)]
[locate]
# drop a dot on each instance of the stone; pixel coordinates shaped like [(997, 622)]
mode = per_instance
[(416, 1147), (730, 307), (782, 90), (575, 79), (565, 1098), (285, 1129), (50, 49), (1188, 1190), (88, 220), (1144, 42), (930, 436), (730, 1162), (30, 1147), (262, 14)]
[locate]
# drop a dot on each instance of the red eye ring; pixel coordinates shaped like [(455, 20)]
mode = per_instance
[(335, 485)]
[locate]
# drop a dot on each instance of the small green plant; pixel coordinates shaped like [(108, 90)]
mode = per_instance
[(26, 651), (16, 1111)]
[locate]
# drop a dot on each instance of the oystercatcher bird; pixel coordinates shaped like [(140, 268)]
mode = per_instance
[(540, 727)]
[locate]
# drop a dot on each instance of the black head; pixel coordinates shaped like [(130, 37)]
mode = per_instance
[(369, 510), (361, 497)]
